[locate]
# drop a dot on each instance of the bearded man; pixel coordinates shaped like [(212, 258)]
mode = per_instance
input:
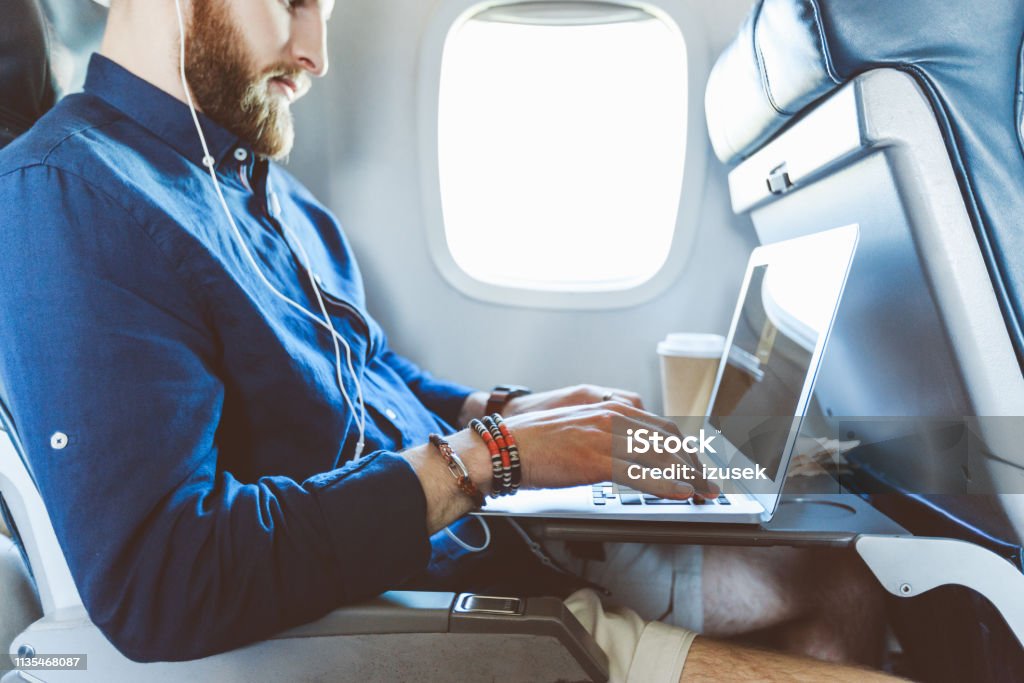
[(225, 442)]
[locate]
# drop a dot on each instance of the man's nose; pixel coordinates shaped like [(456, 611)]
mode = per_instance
[(309, 42)]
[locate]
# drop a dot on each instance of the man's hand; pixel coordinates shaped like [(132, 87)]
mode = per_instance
[(565, 446), (579, 395), (586, 444)]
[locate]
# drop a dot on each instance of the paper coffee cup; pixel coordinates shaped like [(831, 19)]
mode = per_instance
[(689, 365)]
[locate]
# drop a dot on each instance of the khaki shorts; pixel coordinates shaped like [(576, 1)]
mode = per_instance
[(659, 582), (638, 651)]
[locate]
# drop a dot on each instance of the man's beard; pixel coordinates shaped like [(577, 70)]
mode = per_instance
[(227, 87)]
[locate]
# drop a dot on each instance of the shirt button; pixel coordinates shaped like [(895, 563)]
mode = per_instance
[(241, 154), (59, 441), (392, 415)]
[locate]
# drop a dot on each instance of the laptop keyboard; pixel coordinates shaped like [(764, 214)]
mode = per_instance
[(616, 494)]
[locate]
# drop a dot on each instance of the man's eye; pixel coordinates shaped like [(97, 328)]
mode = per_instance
[(293, 4)]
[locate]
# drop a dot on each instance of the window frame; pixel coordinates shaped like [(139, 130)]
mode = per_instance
[(447, 17)]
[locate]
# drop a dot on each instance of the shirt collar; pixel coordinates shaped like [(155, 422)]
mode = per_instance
[(160, 112)]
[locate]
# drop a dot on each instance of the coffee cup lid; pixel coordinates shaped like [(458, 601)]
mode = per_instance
[(692, 345)]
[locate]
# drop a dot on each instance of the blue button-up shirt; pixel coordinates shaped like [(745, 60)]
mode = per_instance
[(203, 496)]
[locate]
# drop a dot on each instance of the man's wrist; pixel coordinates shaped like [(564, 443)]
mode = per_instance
[(472, 408), (501, 395), (475, 456), (445, 501)]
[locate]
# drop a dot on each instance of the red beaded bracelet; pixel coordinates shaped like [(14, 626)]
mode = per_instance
[(513, 452), (497, 482), (506, 460)]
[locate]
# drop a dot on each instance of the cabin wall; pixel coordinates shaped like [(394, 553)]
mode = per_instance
[(363, 162)]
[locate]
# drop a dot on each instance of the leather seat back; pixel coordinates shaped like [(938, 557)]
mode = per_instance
[(19, 606), (27, 92), (26, 82), (904, 118), (967, 58)]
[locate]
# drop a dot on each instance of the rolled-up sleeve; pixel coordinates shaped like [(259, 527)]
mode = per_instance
[(104, 342)]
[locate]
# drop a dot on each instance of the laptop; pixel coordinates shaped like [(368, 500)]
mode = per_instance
[(788, 302)]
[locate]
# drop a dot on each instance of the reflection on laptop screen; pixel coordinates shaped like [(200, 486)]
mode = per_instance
[(782, 315)]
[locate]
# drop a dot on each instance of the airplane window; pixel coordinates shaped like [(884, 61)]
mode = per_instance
[(561, 145)]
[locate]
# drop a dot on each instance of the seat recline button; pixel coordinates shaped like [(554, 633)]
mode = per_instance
[(779, 181), (487, 604)]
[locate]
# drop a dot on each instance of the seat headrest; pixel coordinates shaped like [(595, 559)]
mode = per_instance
[(26, 82), (777, 65), (791, 53)]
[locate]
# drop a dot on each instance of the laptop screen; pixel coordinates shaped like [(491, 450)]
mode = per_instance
[(788, 305)]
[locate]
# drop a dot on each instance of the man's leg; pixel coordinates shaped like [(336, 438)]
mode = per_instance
[(820, 603), (710, 659), (641, 651)]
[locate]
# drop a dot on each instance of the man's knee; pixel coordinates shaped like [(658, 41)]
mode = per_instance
[(652, 652), (748, 589), (820, 602), (639, 651)]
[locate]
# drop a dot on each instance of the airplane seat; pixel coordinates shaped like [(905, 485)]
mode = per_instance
[(26, 84), (26, 92), (908, 119), (20, 605), (401, 636)]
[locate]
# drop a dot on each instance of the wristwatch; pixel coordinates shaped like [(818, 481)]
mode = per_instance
[(502, 394)]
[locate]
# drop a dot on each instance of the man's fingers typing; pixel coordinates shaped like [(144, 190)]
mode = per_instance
[(623, 472), (660, 465)]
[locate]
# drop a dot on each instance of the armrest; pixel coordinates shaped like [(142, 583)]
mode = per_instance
[(393, 612), (399, 636), (57, 591)]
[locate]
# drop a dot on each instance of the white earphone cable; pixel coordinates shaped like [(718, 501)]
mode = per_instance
[(335, 337), (466, 546)]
